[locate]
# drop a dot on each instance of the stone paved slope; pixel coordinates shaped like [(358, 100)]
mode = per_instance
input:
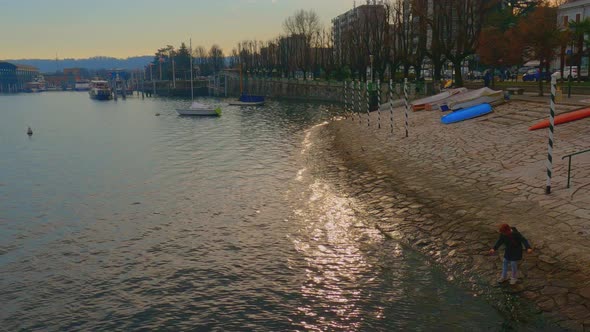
[(446, 188)]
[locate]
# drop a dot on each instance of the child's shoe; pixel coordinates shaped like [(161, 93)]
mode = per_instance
[(502, 279)]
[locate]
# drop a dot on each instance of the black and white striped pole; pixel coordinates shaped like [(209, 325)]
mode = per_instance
[(346, 105), (359, 92), (391, 103), (379, 103), (368, 105), (551, 131), (407, 103)]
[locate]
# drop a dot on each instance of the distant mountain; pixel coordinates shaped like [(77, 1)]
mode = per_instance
[(94, 63)]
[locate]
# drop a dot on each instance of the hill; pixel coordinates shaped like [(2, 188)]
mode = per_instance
[(94, 63)]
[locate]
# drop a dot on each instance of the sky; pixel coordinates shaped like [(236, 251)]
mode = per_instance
[(43, 29)]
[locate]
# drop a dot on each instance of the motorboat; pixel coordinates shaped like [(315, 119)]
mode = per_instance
[(100, 90)]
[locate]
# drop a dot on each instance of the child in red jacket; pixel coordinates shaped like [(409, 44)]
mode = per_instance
[(511, 238)]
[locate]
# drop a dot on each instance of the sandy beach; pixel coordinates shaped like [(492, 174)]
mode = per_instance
[(445, 189)]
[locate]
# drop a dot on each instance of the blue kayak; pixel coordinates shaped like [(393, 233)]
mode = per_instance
[(467, 113)]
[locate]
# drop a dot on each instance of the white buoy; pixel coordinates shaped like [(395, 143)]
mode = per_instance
[(29, 131)]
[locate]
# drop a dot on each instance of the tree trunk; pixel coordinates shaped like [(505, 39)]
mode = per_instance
[(540, 81), (458, 76), (437, 69)]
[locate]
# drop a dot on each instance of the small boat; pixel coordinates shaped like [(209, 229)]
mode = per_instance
[(246, 99), (100, 90), (37, 85), (466, 114), (199, 109), (421, 104), (563, 118), (469, 99)]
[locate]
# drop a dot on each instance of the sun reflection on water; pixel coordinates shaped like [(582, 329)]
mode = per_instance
[(336, 265)]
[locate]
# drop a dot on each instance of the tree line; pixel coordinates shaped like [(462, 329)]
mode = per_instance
[(397, 38), (169, 63)]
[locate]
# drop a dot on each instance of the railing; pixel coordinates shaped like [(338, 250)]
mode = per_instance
[(569, 165)]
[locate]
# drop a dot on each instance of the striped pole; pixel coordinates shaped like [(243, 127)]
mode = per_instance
[(358, 100), (345, 100), (406, 101), (378, 103), (391, 103), (368, 105), (551, 126)]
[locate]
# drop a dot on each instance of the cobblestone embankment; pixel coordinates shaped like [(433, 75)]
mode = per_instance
[(446, 188)]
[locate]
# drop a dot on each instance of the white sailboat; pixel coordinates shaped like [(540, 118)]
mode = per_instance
[(197, 108)]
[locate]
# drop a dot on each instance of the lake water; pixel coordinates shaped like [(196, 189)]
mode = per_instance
[(112, 218)]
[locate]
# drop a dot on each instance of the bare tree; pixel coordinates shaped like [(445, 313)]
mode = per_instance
[(462, 22), (303, 27)]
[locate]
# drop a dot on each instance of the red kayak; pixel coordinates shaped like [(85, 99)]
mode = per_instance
[(563, 118)]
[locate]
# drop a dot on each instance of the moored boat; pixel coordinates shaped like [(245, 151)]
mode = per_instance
[(82, 85), (100, 90), (199, 109), (248, 100)]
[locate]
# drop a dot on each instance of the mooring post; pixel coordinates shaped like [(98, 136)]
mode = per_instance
[(391, 103), (359, 84), (551, 131), (407, 103), (368, 104), (379, 103), (345, 100)]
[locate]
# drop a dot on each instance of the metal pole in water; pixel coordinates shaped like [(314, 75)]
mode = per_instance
[(379, 103), (368, 104), (391, 103), (406, 102), (551, 131)]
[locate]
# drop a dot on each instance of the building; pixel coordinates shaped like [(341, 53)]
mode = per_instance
[(13, 77), (576, 10), (573, 11), (353, 23)]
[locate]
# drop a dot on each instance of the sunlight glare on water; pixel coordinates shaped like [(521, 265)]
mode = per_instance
[(112, 218)]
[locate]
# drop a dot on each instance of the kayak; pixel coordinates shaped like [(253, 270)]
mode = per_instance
[(467, 113), (563, 118)]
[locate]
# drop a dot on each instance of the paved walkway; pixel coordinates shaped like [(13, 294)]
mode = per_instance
[(446, 188)]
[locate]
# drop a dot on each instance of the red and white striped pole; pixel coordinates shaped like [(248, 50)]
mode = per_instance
[(551, 131)]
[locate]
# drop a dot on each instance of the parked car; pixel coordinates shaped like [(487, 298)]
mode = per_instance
[(475, 75), (535, 74), (566, 73)]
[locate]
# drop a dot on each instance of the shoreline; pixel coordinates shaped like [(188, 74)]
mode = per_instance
[(445, 189)]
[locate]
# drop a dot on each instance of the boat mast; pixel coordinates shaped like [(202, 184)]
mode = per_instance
[(191, 51)]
